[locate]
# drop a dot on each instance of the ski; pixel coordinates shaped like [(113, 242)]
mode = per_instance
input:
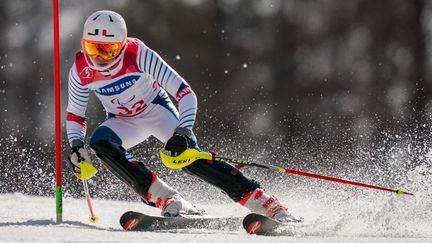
[(261, 225), (135, 221)]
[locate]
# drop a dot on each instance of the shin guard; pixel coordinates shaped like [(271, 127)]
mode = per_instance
[(136, 175), (224, 176)]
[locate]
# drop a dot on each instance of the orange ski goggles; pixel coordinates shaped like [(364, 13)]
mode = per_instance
[(105, 50)]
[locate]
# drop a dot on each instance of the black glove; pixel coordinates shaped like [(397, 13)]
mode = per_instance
[(78, 154), (182, 139)]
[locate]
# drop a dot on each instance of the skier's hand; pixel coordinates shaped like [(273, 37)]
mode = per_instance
[(182, 139), (76, 158), (190, 136)]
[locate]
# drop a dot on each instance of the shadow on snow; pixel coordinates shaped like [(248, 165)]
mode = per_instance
[(46, 222)]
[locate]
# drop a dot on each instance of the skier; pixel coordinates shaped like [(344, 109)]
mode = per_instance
[(132, 82)]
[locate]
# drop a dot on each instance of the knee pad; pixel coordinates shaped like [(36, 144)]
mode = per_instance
[(105, 133), (224, 176), (138, 176)]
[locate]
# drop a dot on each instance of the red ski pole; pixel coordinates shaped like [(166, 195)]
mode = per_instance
[(189, 156), (296, 172)]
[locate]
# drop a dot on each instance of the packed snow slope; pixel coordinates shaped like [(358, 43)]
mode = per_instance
[(26, 218), (333, 212)]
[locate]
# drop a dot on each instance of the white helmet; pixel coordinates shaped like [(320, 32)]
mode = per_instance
[(105, 27)]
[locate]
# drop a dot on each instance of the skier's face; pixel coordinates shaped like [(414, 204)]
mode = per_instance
[(101, 61)]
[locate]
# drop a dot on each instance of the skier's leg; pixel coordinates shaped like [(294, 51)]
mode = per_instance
[(108, 147), (163, 126), (107, 142), (224, 176), (239, 188)]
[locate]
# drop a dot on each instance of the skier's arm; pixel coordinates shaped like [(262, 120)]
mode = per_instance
[(151, 63), (76, 110), (75, 121)]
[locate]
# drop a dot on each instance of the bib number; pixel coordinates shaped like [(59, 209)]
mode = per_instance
[(136, 109)]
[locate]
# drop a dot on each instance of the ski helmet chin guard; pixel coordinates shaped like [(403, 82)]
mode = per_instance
[(104, 35)]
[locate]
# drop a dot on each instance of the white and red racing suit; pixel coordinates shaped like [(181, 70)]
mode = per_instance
[(133, 93)]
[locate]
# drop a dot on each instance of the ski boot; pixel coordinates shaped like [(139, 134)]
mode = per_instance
[(169, 200), (177, 205), (260, 202)]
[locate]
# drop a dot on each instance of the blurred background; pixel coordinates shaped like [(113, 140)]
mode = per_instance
[(334, 87)]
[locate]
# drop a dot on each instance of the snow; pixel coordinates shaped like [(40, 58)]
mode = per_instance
[(27, 218), (332, 212)]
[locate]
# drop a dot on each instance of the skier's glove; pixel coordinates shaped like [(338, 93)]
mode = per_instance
[(79, 162), (182, 139)]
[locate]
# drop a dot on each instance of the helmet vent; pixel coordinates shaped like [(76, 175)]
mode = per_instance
[(96, 17), (111, 20)]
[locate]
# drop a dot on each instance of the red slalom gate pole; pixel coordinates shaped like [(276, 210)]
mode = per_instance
[(57, 113)]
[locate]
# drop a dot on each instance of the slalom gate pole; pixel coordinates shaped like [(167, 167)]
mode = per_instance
[(295, 172), (57, 113)]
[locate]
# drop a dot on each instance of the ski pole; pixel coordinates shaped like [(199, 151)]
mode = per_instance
[(190, 155), (85, 172), (93, 218), (296, 172)]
